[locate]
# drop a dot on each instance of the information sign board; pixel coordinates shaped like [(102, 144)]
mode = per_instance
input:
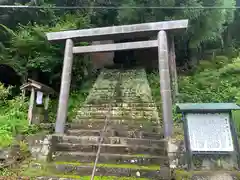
[(209, 132)]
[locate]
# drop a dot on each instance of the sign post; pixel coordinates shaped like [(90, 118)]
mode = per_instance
[(209, 130)]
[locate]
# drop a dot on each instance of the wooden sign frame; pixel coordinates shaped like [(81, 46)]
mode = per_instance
[(203, 109)]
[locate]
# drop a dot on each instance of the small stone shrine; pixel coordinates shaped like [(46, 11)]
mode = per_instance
[(209, 134), (39, 99)]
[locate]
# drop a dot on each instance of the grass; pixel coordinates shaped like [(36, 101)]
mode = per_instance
[(13, 117), (103, 178), (129, 166)]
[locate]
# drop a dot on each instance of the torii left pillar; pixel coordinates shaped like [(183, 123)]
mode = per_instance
[(65, 88), (165, 84)]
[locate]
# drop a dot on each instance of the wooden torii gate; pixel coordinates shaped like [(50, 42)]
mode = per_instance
[(112, 33)]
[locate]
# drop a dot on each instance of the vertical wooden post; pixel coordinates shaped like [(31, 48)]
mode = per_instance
[(23, 94), (173, 68), (65, 87), (165, 87), (46, 102), (31, 106)]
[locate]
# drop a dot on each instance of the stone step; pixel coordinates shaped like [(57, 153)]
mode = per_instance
[(86, 122), (110, 116), (125, 114), (117, 127), (110, 140), (78, 123), (118, 115), (54, 178), (103, 170), (116, 101), (121, 118), (119, 109), (143, 160), (112, 148), (118, 133), (66, 177), (116, 171), (123, 93), (114, 98), (135, 106), (124, 105)]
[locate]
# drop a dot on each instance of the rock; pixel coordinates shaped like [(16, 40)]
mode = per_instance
[(4, 154), (206, 164), (216, 176), (36, 165), (228, 163), (173, 148), (39, 147)]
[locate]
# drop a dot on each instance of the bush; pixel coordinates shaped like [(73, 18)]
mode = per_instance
[(76, 99), (216, 82), (13, 117), (4, 92), (216, 63)]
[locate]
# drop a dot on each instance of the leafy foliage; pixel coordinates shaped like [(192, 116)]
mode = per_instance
[(216, 80), (29, 49), (76, 99), (205, 24), (13, 117), (219, 84)]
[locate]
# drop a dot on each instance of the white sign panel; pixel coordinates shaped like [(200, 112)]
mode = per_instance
[(209, 132), (39, 97)]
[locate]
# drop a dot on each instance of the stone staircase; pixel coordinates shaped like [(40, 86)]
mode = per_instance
[(121, 109)]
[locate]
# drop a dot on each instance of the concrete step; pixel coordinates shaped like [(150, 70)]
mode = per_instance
[(118, 133), (112, 148), (110, 140), (142, 160)]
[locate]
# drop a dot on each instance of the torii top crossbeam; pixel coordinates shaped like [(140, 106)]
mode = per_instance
[(117, 32)]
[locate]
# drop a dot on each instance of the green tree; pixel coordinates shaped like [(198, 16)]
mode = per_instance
[(30, 51), (205, 24)]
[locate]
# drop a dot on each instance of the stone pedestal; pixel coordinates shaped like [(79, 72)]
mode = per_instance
[(39, 146), (39, 114)]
